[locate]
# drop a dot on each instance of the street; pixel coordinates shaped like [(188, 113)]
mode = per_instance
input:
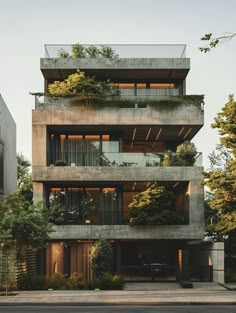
[(119, 309)]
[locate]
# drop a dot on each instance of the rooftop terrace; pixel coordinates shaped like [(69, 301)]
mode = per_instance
[(125, 50)]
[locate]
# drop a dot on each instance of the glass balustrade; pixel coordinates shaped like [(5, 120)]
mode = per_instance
[(125, 159)]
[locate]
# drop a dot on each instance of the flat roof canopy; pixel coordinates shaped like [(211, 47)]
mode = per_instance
[(120, 70)]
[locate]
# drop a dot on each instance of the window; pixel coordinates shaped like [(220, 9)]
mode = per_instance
[(1, 167)]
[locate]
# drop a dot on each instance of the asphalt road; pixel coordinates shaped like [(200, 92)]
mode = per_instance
[(119, 309)]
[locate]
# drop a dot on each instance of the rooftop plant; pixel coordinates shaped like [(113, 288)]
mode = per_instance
[(80, 51)]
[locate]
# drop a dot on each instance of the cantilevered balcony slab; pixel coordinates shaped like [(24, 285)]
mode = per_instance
[(115, 174), (87, 232), (57, 112), (119, 70)]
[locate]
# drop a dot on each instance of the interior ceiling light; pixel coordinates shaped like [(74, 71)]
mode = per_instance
[(181, 131), (148, 133), (187, 132), (176, 184), (134, 132)]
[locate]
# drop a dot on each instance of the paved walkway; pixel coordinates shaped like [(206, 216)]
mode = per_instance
[(200, 294)]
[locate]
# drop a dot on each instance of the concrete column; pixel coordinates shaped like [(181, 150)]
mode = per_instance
[(39, 145), (38, 191), (196, 203), (216, 257)]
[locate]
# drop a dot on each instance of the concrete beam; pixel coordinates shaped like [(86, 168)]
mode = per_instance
[(99, 173), (127, 232)]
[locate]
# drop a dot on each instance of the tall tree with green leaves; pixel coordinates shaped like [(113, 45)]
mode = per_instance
[(221, 177), (23, 224)]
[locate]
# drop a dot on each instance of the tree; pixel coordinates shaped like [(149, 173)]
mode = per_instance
[(154, 206), (101, 257), (221, 177), (23, 224), (24, 180), (212, 42)]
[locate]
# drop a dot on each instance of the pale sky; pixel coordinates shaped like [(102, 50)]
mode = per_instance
[(26, 25)]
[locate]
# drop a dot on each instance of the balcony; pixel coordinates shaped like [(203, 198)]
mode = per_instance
[(124, 50), (137, 63), (123, 159)]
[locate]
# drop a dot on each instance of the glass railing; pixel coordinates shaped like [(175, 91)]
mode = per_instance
[(126, 159), (125, 94), (123, 50), (149, 92)]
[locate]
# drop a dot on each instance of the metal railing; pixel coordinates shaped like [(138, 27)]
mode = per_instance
[(125, 50)]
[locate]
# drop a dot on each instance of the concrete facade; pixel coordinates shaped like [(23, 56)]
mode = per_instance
[(8, 140), (171, 121)]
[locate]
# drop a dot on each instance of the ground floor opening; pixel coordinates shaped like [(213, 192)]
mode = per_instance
[(136, 260)]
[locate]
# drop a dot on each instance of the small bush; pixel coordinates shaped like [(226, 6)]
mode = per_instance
[(230, 276), (57, 281), (31, 282), (108, 282), (76, 281)]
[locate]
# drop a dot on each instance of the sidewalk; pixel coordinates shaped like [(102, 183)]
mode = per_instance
[(200, 294)]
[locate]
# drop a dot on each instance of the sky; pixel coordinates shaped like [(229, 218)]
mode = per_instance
[(26, 25)]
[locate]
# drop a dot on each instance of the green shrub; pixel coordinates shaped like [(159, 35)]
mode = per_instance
[(108, 282), (57, 281), (230, 276), (101, 257), (76, 281), (31, 282)]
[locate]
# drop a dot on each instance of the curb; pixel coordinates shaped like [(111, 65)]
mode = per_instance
[(44, 304)]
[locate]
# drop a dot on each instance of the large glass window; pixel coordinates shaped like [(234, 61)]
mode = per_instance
[(1, 167), (80, 150), (84, 205)]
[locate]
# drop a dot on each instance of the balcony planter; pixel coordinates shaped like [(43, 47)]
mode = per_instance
[(60, 163)]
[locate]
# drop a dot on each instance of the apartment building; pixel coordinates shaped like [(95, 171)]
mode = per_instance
[(89, 162)]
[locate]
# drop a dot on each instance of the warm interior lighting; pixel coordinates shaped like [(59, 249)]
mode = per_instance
[(148, 133), (148, 184), (55, 189), (134, 132), (158, 134), (181, 131), (52, 136), (187, 132), (134, 186), (180, 259), (109, 189), (162, 86), (92, 137), (75, 137), (176, 184), (141, 86), (105, 137), (124, 86)]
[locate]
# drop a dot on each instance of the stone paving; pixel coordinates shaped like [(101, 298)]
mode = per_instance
[(200, 294)]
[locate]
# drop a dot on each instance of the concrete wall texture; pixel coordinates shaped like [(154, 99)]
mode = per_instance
[(8, 137)]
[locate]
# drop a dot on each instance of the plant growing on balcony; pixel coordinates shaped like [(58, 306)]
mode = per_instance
[(82, 87), (101, 257), (60, 163), (186, 154), (154, 206), (78, 51), (92, 52)]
